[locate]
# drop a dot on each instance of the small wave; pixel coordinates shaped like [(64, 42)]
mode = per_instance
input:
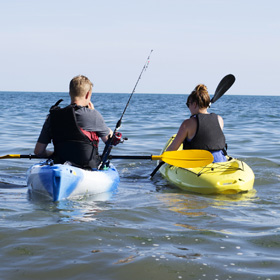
[(4, 185)]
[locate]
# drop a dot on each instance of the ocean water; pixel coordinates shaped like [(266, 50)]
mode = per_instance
[(148, 229)]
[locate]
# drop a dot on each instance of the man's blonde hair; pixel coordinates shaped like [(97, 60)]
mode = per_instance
[(79, 86)]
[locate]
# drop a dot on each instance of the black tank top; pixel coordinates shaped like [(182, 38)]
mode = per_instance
[(209, 135)]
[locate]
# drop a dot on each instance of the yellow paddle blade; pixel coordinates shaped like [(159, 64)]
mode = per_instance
[(9, 156), (186, 158)]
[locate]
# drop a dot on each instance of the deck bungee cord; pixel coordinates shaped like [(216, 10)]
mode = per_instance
[(219, 167), (108, 146)]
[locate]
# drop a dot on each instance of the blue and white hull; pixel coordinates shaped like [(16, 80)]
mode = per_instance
[(60, 181)]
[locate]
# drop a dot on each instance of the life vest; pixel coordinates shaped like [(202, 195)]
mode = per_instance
[(70, 143), (209, 135)]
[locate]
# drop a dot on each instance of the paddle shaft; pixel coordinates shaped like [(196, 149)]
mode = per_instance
[(151, 157), (129, 157), (15, 156), (156, 169)]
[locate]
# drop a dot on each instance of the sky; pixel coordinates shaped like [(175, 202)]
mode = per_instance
[(44, 44)]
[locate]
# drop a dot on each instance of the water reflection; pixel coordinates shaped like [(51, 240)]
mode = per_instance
[(193, 205), (77, 209)]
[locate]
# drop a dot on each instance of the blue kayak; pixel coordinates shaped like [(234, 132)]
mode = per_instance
[(61, 181)]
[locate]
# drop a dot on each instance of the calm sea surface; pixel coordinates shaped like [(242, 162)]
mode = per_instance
[(147, 230)]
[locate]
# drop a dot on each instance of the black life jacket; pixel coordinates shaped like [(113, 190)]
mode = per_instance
[(209, 135), (70, 143)]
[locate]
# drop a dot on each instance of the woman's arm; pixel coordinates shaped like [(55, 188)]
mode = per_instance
[(180, 137), (187, 129), (221, 122)]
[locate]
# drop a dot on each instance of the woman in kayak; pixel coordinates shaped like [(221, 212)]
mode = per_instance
[(202, 130)]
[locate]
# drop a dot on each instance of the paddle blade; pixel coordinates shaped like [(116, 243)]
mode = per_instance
[(186, 158), (223, 86), (19, 156), (9, 156)]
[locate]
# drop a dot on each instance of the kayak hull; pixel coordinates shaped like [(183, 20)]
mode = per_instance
[(59, 181), (230, 177)]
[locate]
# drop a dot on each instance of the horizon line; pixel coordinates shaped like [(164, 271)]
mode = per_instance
[(64, 92)]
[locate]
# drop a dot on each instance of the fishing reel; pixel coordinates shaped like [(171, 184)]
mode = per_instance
[(117, 138)]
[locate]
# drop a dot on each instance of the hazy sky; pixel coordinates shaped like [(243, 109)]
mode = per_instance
[(45, 43)]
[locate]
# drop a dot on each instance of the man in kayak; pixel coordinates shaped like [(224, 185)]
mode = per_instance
[(202, 130), (75, 130)]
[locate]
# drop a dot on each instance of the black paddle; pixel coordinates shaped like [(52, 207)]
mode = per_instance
[(221, 89)]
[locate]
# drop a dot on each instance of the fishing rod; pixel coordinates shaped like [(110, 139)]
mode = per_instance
[(108, 146)]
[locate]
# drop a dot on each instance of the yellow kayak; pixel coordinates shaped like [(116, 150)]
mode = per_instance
[(230, 177)]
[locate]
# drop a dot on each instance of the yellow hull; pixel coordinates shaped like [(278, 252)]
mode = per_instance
[(230, 177)]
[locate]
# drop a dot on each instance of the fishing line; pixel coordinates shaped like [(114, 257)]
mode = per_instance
[(144, 69), (108, 145)]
